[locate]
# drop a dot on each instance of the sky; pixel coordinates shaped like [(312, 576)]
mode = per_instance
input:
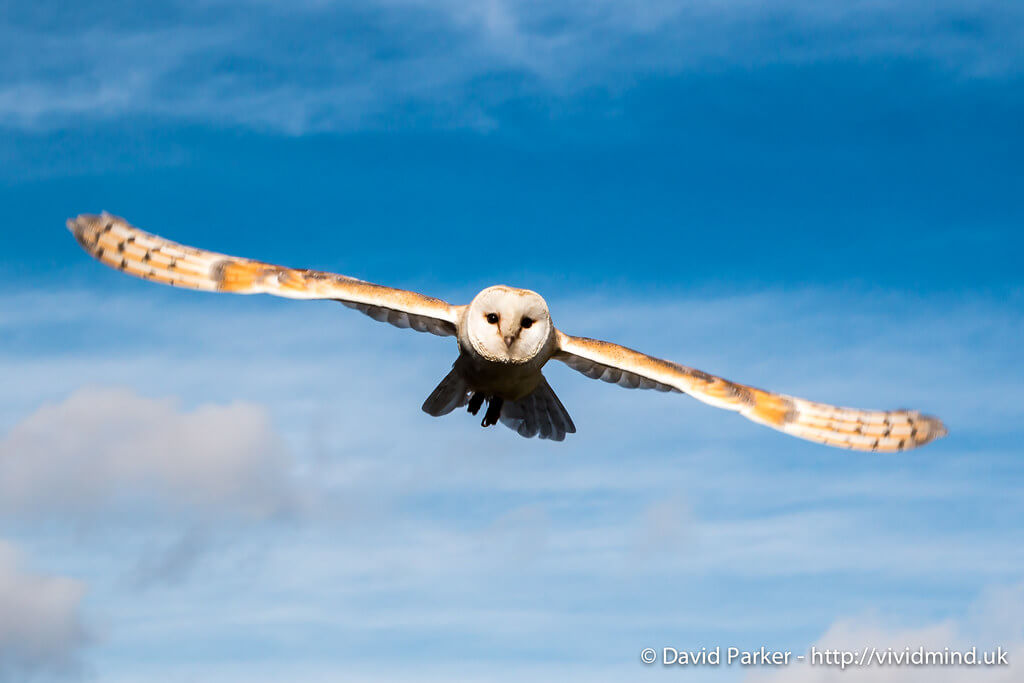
[(819, 199)]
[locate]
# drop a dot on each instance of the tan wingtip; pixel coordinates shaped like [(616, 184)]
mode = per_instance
[(936, 428), (78, 223), (82, 230), (79, 226), (83, 222)]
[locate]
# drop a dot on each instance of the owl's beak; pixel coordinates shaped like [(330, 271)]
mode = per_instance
[(509, 340)]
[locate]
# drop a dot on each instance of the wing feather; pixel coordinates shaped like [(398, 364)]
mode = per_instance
[(865, 430), (114, 242)]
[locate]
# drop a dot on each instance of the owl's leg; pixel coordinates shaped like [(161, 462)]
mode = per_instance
[(493, 411), (475, 401)]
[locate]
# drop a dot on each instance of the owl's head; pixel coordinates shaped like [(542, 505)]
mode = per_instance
[(508, 325)]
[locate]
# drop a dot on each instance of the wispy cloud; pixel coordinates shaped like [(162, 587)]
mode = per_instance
[(41, 628), (323, 65), (100, 446), (992, 622)]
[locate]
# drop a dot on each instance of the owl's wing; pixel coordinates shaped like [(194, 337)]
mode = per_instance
[(862, 430), (114, 242)]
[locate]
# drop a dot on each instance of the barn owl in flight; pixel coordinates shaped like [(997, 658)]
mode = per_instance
[(505, 336)]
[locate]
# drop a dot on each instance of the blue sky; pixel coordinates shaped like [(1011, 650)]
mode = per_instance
[(820, 200)]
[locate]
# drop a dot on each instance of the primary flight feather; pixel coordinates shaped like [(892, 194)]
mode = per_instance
[(505, 337)]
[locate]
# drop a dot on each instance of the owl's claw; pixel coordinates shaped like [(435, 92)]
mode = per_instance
[(475, 401), (493, 411)]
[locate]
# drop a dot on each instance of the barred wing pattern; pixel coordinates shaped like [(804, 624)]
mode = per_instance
[(862, 430), (114, 242)]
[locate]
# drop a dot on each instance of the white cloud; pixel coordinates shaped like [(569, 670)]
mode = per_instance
[(101, 446), (41, 628), (325, 65), (994, 621)]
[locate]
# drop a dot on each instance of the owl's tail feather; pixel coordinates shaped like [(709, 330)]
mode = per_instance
[(451, 393), (540, 413)]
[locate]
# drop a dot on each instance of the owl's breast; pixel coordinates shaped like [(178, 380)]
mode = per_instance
[(511, 381)]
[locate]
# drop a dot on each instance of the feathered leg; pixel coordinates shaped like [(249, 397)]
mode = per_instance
[(494, 404)]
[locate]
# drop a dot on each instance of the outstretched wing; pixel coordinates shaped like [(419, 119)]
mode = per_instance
[(114, 242), (863, 430)]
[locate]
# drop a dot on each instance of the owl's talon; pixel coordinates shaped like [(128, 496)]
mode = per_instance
[(475, 401), (493, 411)]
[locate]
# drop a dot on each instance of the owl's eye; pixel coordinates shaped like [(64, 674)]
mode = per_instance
[(492, 318), (526, 322)]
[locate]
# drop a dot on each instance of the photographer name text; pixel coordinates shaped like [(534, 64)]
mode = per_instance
[(867, 657)]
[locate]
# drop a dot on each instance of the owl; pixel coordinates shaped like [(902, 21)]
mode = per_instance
[(505, 337)]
